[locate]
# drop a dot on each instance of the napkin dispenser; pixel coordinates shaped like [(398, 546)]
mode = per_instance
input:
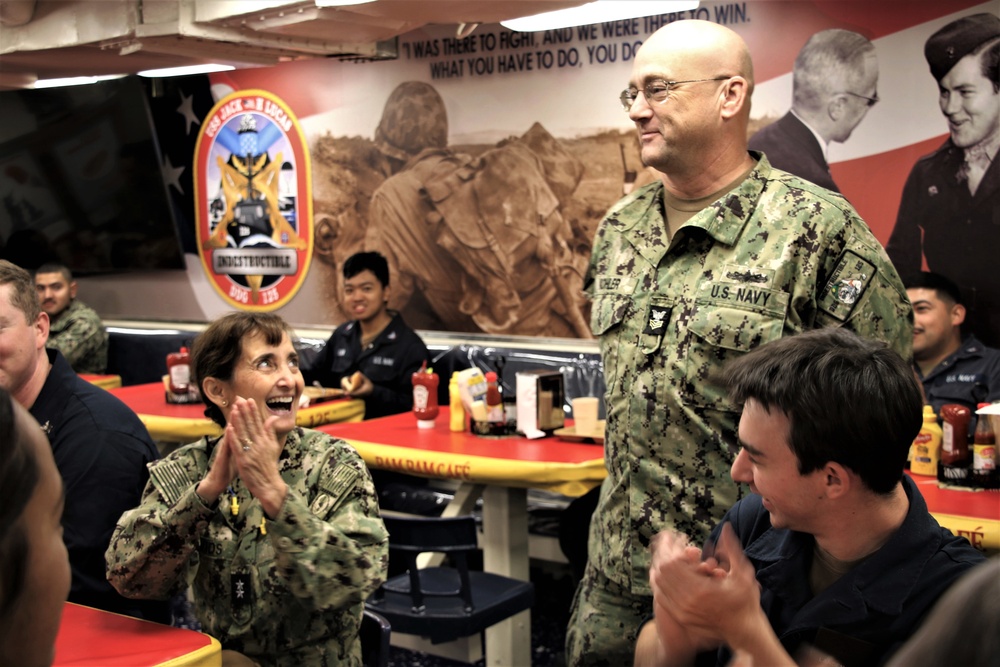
[(540, 397)]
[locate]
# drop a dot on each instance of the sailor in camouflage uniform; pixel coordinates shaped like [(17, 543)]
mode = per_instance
[(275, 527), (720, 257), (75, 329)]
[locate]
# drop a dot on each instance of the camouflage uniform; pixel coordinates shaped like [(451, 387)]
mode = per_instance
[(775, 256), (79, 334), (292, 596)]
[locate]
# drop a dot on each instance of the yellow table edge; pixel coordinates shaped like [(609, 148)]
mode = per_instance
[(206, 656), (571, 479), (984, 534), (106, 381), (180, 429), (351, 410)]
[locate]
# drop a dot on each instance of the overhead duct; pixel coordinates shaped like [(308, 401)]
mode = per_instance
[(62, 38)]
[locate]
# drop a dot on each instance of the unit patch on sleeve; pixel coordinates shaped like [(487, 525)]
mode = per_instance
[(846, 286)]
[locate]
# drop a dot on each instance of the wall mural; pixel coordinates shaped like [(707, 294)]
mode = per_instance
[(481, 165)]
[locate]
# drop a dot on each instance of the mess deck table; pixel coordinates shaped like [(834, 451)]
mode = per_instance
[(103, 381), (172, 422), (970, 513), (91, 637), (498, 469)]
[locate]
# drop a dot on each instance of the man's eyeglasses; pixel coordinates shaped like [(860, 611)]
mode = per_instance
[(872, 101), (657, 90)]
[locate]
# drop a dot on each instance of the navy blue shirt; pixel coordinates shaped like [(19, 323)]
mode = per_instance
[(101, 450), (389, 362), (970, 376), (867, 614)]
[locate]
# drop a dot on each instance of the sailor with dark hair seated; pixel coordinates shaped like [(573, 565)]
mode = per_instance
[(373, 355), (952, 369)]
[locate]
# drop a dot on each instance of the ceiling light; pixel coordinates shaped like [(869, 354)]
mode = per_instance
[(74, 81), (341, 3), (184, 71), (599, 11)]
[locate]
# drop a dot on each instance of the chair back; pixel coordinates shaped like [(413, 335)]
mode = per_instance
[(411, 536), (374, 635), (442, 534), (448, 602)]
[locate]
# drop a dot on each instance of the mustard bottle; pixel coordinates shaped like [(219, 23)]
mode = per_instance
[(927, 445), (455, 407)]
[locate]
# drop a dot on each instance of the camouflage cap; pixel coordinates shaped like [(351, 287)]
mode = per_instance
[(958, 39), (414, 118)]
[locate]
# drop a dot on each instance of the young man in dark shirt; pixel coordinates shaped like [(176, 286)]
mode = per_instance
[(375, 352), (834, 551)]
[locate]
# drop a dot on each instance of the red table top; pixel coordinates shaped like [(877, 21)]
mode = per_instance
[(150, 399), (968, 503), (401, 431), (94, 638)]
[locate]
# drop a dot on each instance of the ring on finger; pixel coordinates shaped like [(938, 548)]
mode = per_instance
[(247, 443)]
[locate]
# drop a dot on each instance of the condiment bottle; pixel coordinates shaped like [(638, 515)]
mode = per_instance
[(425, 404), (955, 441), (179, 372), (494, 401), (456, 407), (927, 445), (984, 450)]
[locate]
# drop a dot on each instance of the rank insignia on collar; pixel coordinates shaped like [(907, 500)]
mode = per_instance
[(658, 316), (241, 590)]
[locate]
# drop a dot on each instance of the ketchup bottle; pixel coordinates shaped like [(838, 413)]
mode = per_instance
[(425, 396), (494, 401), (984, 451), (955, 436), (179, 370)]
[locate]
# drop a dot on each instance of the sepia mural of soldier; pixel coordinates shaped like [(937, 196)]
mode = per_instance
[(949, 211), (346, 172), (480, 241), (834, 84)]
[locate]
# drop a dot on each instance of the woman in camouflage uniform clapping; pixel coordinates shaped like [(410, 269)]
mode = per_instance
[(275, 527)]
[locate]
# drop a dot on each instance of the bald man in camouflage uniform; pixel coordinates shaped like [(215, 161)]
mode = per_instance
[(287, 592), (720, 256)]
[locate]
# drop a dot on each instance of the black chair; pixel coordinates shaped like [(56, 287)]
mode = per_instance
[(374, 634), (444, 603)]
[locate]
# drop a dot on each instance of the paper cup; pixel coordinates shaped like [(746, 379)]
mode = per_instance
[(585, 414)]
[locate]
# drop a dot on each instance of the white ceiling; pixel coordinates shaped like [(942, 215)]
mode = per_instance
[(43, 39)]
